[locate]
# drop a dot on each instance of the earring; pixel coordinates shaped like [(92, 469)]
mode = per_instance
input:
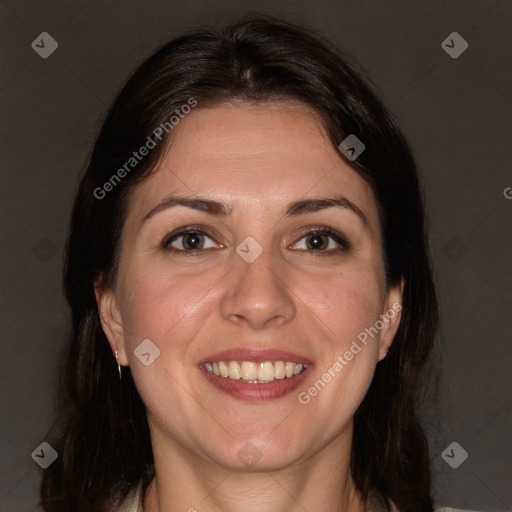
[(118, 365)]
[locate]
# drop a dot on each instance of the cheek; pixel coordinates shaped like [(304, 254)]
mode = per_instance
[(156, 303), (169, 310), (346, 303)]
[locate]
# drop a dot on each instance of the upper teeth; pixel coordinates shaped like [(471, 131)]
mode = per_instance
[(255, 372)]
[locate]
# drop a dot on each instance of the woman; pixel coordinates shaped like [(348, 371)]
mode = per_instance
[(252, 298)]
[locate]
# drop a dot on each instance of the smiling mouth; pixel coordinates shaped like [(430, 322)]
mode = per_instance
[(255, 372)]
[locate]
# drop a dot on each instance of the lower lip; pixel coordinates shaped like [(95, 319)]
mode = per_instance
[(257, 392)]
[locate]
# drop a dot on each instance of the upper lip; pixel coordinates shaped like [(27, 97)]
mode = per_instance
[(255, 355)]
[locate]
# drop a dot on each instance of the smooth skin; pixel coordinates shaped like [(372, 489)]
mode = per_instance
[(192, 295)]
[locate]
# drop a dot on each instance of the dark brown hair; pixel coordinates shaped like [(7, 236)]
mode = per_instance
[(103, 442)]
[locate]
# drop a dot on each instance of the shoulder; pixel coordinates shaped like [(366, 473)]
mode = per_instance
[(449, 509), (377, 504), (132, 503)]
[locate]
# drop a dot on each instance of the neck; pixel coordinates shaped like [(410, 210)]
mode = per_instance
[(186, 482)]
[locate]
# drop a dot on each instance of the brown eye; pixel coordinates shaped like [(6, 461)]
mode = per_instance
[(189, 241), (322, 240), (192, 241), (317, 242)]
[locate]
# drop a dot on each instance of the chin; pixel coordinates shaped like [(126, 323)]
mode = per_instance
[(258, 454)]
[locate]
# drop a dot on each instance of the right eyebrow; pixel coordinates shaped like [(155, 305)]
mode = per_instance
[(197, 203)]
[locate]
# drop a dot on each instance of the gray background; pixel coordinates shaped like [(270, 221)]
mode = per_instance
[(456, 113)]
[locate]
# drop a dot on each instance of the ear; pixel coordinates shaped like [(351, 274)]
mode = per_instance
[(391, 317), (111, 320)]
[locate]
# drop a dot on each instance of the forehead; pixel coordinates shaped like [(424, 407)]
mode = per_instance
[(257, 155)]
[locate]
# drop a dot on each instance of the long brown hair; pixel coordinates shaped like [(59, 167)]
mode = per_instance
[(103, 442)]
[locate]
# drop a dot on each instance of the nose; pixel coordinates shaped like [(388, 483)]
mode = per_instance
[(257, 295)]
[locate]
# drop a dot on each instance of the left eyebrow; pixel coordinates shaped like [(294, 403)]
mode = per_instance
[(300, 207), (314, 205)]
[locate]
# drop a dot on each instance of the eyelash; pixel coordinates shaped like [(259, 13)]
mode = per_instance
[(337, 237)]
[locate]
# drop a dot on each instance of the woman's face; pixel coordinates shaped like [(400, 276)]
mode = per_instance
[(252, 245)]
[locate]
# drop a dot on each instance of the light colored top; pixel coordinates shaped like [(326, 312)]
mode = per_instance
[(133, 504)]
